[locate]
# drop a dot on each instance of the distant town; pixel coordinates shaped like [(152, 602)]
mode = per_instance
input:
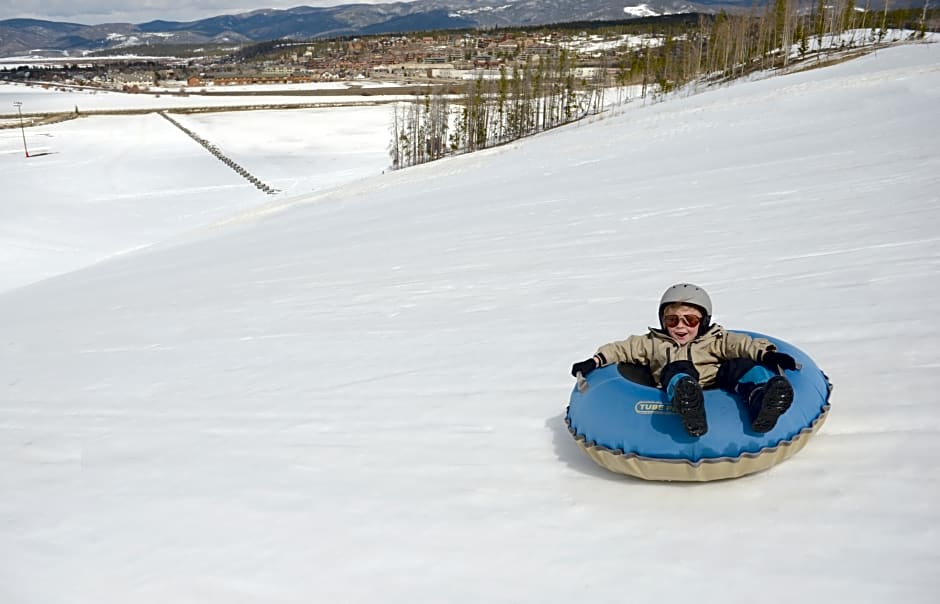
[(441, 58), (662, 51), (475, 89)]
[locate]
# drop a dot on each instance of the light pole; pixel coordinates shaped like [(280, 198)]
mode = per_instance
[(19, 104)]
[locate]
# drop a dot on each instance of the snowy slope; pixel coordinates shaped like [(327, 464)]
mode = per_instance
[(105, 185), (358, 396)]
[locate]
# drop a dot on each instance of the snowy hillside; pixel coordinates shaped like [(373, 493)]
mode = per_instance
[(358, 395), (120, 183)]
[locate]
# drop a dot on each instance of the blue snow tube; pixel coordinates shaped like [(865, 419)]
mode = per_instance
[(629, 427)]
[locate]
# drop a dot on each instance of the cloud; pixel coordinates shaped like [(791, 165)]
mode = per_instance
[(92, 12)]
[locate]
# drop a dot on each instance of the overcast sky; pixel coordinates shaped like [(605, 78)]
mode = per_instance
[(92, 12)]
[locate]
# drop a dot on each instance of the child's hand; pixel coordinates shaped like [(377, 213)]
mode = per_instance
[(778, 359), (584, 367)]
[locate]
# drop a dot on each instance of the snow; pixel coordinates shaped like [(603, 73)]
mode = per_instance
[(357, 394), (38, 99), (103, 185), (640, 10), (594, 44)]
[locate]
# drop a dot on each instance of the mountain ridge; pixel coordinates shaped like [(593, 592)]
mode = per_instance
[(22, 36), (37, 37)]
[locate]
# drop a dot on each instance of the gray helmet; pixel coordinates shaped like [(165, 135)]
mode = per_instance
[(693, 295)]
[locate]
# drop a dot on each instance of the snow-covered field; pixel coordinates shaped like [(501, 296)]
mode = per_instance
[(358, 395), (103, 185), (38, 99)]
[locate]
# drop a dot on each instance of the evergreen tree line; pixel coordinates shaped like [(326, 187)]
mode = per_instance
[(537, 96), (737, 45), (521, 101)]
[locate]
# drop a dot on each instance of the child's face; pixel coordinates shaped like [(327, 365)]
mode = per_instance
[(681, 315)]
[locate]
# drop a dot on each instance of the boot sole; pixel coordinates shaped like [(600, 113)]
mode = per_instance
[(778, 396), (690, 403)]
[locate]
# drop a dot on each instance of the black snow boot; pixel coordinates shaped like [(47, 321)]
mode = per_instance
[(768, 402), (689, 402)]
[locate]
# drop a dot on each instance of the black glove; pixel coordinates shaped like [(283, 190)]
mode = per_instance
[(778, 359), (584, 367)]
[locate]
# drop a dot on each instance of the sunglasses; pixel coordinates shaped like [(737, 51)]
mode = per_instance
[(690, 320)]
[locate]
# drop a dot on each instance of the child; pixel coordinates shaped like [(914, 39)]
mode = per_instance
[(688, 353)]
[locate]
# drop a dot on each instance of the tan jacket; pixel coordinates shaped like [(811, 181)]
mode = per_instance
[(656, 349)]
